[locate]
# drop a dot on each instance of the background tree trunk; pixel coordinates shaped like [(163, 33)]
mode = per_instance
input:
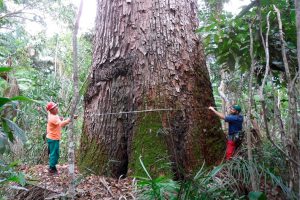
[(147, 56), (75, 100)]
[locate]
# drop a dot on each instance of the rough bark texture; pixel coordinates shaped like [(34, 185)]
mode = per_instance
[(147, 56)]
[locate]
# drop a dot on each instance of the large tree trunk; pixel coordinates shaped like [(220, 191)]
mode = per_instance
[(147, 56)]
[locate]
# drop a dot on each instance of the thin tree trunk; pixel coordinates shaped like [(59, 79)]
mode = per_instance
[(292, 128), (147, 56), (261, 92), (292, 102), (71, 149), (249, 143), (297, 8), (285, 151), (240, 90), (221, 90), (55, 56)]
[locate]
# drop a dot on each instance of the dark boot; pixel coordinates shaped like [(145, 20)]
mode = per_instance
[(52, 170)]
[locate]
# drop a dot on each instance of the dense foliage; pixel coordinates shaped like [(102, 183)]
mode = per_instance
[(37, 67), (227, 45)]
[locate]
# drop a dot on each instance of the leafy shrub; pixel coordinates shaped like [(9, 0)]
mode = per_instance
[(227, 181), (9, 174), (204, 185)]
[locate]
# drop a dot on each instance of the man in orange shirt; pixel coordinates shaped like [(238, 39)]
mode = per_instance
[(54, 126)]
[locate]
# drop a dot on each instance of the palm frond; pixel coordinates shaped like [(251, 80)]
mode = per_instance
[(17, 131), (4, 145), (238, 169)]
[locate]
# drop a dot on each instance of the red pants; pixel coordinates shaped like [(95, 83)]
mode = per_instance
[(230, 149)]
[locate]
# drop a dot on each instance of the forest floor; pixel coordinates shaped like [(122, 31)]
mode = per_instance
[(90, 187), (42, 186)]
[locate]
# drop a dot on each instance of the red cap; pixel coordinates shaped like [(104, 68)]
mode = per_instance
[(50, 106)]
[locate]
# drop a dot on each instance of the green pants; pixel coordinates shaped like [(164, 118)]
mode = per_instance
[(53, 148)]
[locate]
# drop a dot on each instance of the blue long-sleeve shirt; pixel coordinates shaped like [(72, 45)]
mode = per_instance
[(235, 123)]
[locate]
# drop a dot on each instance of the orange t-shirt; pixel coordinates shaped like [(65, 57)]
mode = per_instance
[(54, 126)]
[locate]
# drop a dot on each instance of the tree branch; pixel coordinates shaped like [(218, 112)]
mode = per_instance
[(284, 57), (11, 14), (247, 8), (291, 96)]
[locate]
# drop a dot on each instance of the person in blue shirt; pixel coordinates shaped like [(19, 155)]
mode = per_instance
[(235, 122)]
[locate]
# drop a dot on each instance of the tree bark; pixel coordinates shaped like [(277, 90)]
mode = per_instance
[(292, 128), (249, 113), (297, 78), (147, 56), (71, 141)]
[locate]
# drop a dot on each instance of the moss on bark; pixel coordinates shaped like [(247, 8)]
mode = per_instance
[(90, 156), (149, 142)]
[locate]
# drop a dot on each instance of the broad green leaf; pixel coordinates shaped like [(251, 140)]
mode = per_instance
[(4, 100), (257, 196), (7, 130), (21, 98), (5, 69)]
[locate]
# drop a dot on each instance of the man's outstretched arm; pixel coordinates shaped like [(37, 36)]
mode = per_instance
[(221, 115)]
